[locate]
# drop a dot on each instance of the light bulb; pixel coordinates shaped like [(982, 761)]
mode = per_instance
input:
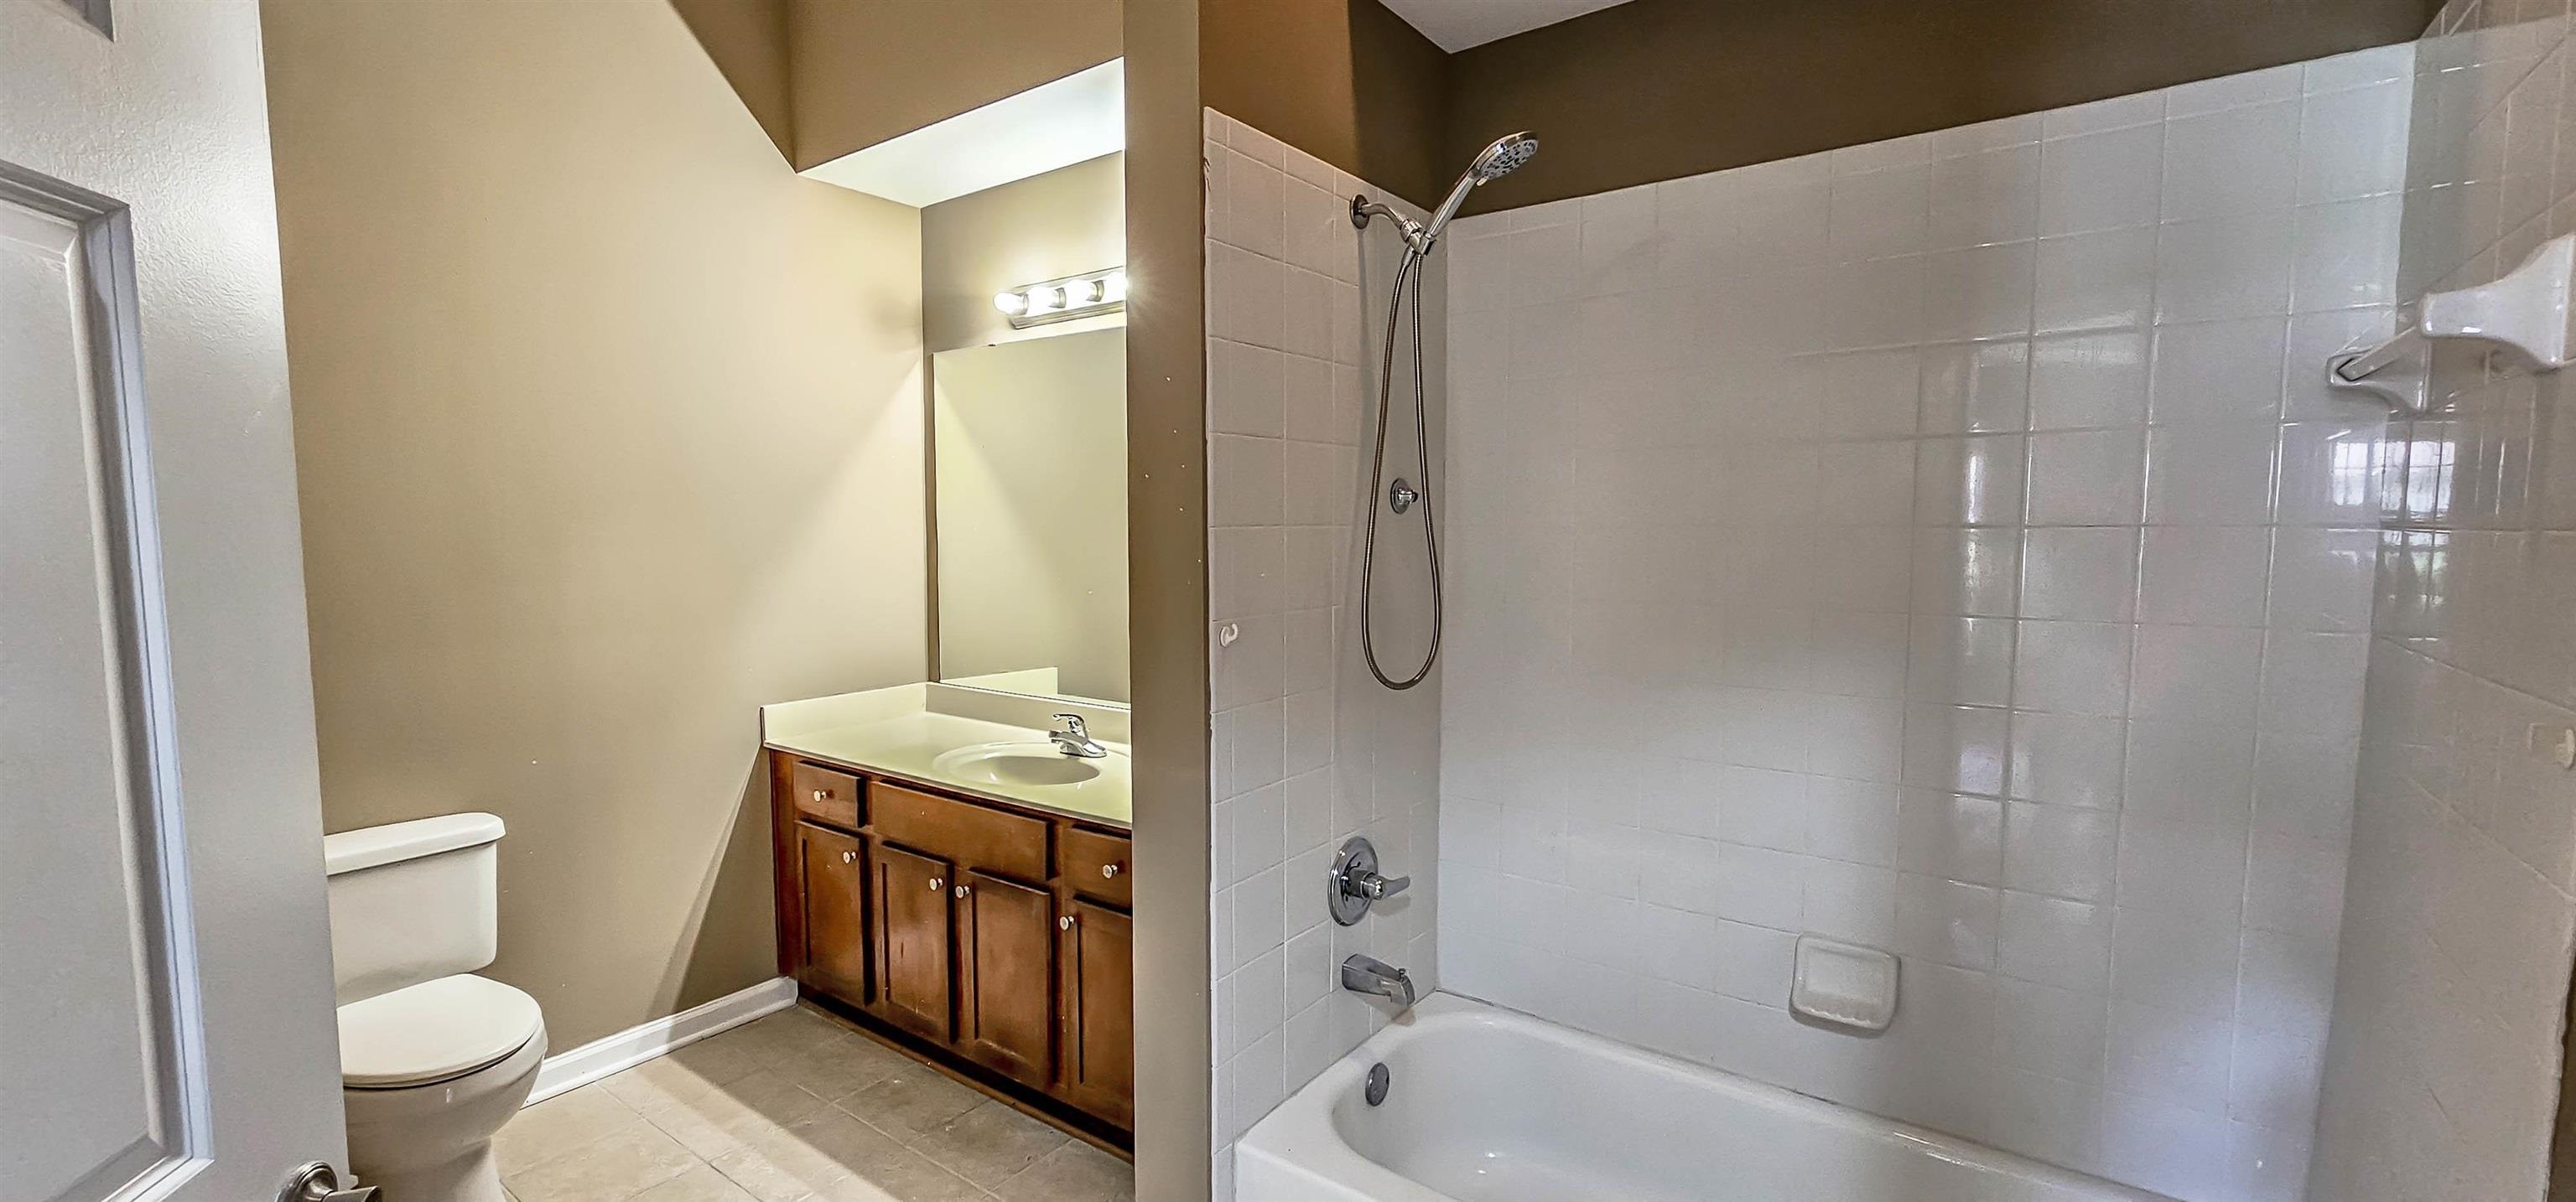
[(1113, 287), (1044, 298), (1082, 292), (1011, 303)]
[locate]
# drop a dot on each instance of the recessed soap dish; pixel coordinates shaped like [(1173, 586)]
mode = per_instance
[(1844, 984)]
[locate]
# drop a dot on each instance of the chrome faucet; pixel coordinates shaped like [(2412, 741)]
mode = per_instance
[(1075, 739), (1368, 974)]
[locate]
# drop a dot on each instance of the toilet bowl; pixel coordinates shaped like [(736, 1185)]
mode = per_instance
[(433, 1059)]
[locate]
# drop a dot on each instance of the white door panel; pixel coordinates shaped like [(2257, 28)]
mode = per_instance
[(80, 878), (165, 998)]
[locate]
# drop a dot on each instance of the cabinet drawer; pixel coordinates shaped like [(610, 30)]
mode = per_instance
[(974, 836), (825, 795), (1097, 865)]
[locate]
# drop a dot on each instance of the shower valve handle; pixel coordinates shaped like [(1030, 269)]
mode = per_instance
[(1400, 496)]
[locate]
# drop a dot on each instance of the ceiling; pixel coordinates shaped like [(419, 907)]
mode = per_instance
[(1072, 120), (1457, 24)]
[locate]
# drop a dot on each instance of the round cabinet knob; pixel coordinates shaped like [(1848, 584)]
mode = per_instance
[(849, 857), (1065, 923), (822, 795), (937, 884), (961, 891), (1109, 872)]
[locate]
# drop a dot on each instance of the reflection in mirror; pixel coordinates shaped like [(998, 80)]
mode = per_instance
[(1029, 453)]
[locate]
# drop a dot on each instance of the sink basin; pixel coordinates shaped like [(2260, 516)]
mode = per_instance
[(1018, 764)]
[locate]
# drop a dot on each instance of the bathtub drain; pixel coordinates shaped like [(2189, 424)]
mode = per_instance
[(1375, 1091)]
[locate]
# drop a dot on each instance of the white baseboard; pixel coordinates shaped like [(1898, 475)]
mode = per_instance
[(637, 1044)]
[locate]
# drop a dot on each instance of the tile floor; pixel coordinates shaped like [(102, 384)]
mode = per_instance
[(794, 1108)]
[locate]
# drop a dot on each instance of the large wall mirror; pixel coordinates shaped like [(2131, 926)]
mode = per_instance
[(1029, 462)]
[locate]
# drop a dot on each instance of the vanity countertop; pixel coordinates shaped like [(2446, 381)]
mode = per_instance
[(903, 731)]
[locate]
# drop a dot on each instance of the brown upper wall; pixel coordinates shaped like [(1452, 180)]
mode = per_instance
[(1658, 89), (748, 41), (1344, 80), (863, 71)]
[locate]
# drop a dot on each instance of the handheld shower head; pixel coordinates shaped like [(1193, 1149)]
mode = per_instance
[(1507, 154), (1504, 157)]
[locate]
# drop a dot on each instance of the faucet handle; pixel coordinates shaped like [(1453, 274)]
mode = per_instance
[(1355, 884), (1380, 888), (1074, 725)]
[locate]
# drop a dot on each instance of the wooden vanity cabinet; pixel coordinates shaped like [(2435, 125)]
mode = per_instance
[(915, 976), (1096, 1010), (1006, 959), (993, 937), (832, 904)]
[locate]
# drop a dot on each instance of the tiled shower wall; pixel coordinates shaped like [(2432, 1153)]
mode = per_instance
[(1940, 544), (1308, 749), (2443, 1070)]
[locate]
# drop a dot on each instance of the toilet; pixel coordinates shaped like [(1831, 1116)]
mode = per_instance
[(433, 1059)]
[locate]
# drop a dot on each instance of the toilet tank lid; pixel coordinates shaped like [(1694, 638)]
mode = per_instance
[(370, 846)]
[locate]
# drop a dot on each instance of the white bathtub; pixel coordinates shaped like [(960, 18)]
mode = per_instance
[(1488, 1105)]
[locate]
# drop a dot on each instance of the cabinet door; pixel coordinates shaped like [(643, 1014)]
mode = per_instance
[(1096, 989), (1006, 954), (912, 930), (834, 893)]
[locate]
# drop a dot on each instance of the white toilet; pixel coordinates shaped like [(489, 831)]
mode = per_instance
[(433, 1059)]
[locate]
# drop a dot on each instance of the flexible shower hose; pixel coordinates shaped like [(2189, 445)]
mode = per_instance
[(1406, 273)]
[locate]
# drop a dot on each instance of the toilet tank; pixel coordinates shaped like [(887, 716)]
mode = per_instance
[(412, 902)]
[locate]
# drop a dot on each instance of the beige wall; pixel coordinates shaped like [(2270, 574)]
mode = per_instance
[(863, 71), (1031, 443), (608, 430), (1067, 221)]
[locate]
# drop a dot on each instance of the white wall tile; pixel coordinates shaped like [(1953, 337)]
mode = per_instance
[(1884, 544), (2073, 667), (2096, 379), (2218, 371), (2062, 851), (2069, 759), (2101, 181), (2084, 478), (1977, 387), (2236, 265), (2055, 941), (2233, 91), (1879, 214), (1298, 769), (2210, 473), (2095, 281), (2205, 576), (1985, 197), (2081, 575), (2231, 161)]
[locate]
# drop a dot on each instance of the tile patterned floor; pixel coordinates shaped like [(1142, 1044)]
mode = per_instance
[(794, 1108)]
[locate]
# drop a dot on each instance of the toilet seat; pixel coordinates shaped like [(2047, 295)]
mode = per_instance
[(434, 1031)]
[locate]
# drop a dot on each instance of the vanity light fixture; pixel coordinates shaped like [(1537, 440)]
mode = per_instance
[(1090, 294)]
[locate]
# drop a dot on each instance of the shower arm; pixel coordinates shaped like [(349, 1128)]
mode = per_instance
[(1362, 209)]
